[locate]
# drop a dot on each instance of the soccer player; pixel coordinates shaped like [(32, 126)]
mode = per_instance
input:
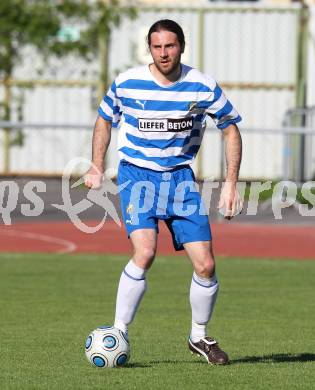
[(161, 110)]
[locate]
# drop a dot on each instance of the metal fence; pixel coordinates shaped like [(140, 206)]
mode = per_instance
[(299, 149), (48, 148)]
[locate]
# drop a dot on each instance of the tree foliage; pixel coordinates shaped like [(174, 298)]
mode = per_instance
[(24, 23), (37, 22)]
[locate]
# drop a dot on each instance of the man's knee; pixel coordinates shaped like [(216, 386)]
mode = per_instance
[(144, 243), (205, 268), (144, 256)]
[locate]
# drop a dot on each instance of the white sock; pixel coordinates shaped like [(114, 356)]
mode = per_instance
[(132, 286), (203, 294)]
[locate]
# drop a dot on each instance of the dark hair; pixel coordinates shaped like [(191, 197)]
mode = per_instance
[(167, 25)]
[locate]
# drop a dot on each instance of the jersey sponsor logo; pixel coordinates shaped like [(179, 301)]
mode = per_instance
[(167, 124), (194, 109), (192, 106)]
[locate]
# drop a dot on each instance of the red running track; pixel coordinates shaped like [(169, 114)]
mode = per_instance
[(230, 239)]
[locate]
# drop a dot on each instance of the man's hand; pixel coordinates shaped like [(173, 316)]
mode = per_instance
[(230, 203), (93, 178)]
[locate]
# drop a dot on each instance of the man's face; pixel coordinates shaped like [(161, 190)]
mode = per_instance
[(166, 51)]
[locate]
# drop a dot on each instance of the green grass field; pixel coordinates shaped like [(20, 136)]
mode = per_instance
[(264, 319)]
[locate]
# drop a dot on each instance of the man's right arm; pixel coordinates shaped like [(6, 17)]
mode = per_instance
[(100, 143)]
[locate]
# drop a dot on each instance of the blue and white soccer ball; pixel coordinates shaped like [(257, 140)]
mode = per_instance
[(106, 347)]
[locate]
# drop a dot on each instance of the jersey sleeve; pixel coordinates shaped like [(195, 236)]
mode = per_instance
[(221, 110), (110, 107)]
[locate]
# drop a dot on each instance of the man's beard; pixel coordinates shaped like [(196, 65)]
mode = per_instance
[(168, 71)]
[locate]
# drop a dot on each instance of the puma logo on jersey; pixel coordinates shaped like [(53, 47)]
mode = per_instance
[(141, 103)]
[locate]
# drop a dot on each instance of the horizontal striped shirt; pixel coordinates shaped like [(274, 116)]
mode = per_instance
[(161, 127)]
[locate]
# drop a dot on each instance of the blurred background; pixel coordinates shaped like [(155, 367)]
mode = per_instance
[(57, 59)]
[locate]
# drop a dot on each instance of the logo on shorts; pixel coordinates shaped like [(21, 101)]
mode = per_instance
[(129, 209)]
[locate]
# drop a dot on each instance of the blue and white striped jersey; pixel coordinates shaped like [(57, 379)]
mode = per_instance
[(162, 127)]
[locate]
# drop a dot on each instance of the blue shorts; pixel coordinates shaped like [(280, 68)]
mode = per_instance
[(147, 196)]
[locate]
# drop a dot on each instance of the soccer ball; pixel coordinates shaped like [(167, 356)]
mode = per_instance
[(107, 346)]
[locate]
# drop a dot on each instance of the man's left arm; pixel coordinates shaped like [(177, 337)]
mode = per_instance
[(230, 200)]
